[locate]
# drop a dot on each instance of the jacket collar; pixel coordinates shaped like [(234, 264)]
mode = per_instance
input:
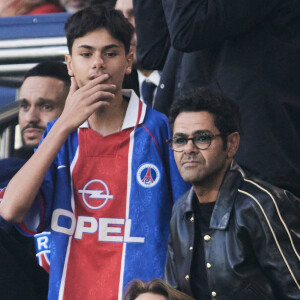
[(225, 199)]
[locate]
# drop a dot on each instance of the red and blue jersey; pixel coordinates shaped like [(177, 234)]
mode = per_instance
[(107, 201)]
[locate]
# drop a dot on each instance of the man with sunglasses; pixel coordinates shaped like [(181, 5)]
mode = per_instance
[(232, 236)]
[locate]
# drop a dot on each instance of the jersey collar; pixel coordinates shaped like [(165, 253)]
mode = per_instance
[(135, 112)]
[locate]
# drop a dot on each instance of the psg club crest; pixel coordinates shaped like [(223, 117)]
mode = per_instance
[(148, 175), (95, 194)]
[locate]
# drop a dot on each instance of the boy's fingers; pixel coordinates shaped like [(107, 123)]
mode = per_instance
[(103, 96), (110, 88), (95, 90), (95, 81), (74, 86), (101, 78)]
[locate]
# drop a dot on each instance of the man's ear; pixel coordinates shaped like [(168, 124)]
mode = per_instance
[(68, 60), (233, 140), (129, 58)]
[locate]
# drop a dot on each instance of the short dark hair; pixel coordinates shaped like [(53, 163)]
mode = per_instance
[(154, 286), (95, 17), (227, 116), (51, 68)]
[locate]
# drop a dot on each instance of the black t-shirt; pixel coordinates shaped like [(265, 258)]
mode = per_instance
[(199, 283)]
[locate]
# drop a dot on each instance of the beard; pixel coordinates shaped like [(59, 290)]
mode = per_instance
[(30, 146)]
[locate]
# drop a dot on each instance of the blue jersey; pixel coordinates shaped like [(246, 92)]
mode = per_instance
[(108, 200)]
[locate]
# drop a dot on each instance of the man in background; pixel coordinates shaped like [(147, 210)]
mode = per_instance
[(232, 235), (248, 50), (42, 98), (73, 6), (145, 82)]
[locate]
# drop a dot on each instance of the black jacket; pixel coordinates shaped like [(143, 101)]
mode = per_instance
[(246, 49), (21, 277), (253, 247)]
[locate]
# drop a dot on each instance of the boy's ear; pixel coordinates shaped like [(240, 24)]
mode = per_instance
[(68, 60), (129, 58)]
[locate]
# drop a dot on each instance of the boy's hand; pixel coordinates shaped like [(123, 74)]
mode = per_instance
[(82, 102)]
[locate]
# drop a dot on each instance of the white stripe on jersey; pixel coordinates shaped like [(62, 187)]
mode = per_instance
[(129, 176), (63, 279)]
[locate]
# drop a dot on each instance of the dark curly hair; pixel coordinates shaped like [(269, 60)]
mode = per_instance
[(227, 116), (96, 17)]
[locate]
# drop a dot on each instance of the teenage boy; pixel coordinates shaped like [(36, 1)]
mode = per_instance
[(108, 193)]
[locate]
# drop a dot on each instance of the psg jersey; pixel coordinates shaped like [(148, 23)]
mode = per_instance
[(107, 201)]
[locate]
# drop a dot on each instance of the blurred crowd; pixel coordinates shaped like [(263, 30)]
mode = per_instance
[(36, 7)]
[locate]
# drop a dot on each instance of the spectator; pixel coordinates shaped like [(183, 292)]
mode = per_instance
[(232, 236), (154, 51), (146, 81), (42, 98), (126, 7), (107, 187), (229, 46), (73, 6), (155, 289), (29, 7), (42, 95)]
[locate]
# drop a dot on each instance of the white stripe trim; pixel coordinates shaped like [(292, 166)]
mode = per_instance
[(63, 279), (143, 113), (120, 296), (129, 177), (279, 214), (71, 172), (132, 112), (274, 235)]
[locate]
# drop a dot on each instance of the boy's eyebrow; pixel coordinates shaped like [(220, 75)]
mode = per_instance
[(107, 47), (86, 47), (111, 46)]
